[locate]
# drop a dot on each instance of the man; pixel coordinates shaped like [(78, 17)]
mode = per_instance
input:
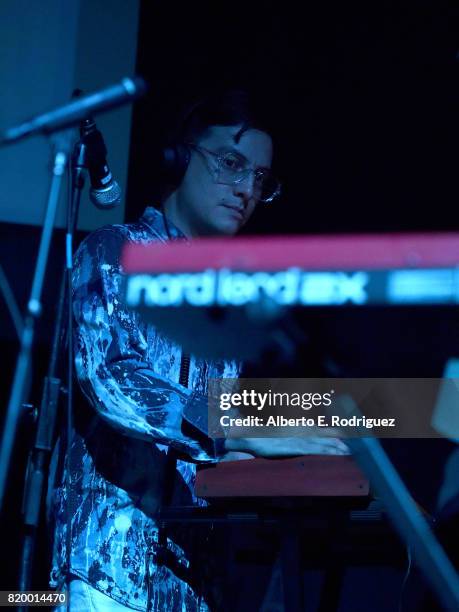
[(145, 396)]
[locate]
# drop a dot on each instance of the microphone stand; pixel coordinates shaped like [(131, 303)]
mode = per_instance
[(38, 463), (59, 119), (20, 386)]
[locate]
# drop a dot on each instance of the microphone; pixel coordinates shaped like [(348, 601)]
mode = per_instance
[(72, 113), (105, 192)]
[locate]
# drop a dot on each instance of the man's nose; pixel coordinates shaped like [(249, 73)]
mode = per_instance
[(245, 189)]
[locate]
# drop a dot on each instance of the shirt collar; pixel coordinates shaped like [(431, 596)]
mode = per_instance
[(156, 220)]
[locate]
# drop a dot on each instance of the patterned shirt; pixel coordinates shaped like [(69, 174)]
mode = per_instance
[(137, 411)]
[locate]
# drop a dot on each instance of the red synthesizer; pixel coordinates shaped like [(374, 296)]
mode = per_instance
[(325, 270)]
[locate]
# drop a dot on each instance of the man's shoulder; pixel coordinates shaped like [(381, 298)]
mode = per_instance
[(116, 235)]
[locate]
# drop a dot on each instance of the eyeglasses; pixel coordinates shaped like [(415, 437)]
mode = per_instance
[(231, 169)]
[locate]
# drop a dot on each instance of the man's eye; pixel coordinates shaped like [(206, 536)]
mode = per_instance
[(231, 162)]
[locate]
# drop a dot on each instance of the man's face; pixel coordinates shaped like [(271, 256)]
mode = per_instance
[(208, 208)]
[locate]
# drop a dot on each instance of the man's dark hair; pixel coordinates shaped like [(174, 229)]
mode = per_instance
[(227, 107)]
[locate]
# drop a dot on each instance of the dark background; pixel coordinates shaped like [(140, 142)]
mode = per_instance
[(363, 99)]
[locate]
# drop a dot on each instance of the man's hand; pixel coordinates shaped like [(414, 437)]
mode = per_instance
[(287, 447), (235, 456)]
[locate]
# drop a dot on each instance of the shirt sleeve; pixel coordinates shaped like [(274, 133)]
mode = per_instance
[(111, 358)]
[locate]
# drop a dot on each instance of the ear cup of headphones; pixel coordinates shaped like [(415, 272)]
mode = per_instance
[(175, 160)]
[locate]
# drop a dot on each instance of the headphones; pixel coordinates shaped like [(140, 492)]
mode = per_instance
[(176, 155), (174, 162)]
